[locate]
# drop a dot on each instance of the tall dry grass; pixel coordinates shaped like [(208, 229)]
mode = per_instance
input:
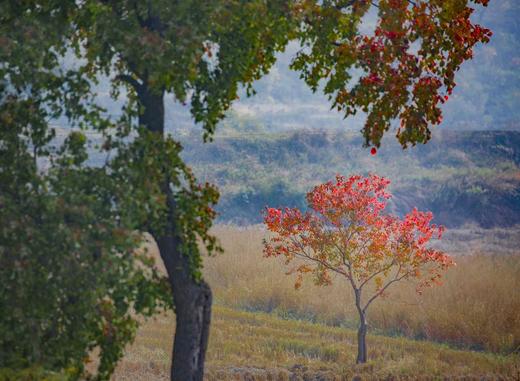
[(477, 307)]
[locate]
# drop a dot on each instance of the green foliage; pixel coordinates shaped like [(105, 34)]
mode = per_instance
[(73, 280), (206, 49), (31, 374), (141, 169), (75, 283)]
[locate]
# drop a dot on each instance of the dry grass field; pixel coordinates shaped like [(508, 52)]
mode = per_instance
[(477, 307), (258, 346), (264, 329)]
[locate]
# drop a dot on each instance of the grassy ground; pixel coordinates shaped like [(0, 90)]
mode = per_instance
[(258, 346), (308, 334)]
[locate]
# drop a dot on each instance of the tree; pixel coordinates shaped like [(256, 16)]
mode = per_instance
[(346, 233), (203, 52), (73, 280)]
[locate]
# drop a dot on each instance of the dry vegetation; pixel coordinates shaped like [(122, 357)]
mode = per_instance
[(309, 331), (477, 307), (258, 346)]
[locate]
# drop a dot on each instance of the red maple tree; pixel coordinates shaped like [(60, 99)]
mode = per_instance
[(346, 232), (408, 62)]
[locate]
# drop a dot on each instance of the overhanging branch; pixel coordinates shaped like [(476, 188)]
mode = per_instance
[(130, 80)]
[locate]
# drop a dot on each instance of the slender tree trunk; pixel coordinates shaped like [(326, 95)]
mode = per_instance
[(362, 345), (362, 331), (192, 300)]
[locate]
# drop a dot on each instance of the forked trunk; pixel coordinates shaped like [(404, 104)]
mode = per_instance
[(192, 299)]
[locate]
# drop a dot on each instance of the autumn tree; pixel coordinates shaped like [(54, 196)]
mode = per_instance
[(346, 233), (203, 53)]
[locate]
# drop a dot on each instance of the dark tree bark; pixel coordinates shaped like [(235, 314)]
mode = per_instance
[(362, 331), (192, 299), (362, 346), (192, 310)]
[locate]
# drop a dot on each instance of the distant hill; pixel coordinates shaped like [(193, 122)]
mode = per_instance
[(462, 177)]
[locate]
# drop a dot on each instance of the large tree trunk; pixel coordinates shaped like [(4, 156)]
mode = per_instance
[(193, 313), (192, 300), (362, 331)]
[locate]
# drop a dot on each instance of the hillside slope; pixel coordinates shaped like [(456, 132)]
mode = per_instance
[(462, 177)]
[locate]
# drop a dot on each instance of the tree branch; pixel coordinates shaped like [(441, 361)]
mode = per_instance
[(377, 273), (303, 254), (140, 19), (131, 81), (397, 278)]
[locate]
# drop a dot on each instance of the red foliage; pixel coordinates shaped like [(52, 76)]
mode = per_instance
[(347, 232), (410, 60)]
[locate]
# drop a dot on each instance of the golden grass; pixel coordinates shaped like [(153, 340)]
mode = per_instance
[(259, 346), (477, 307)]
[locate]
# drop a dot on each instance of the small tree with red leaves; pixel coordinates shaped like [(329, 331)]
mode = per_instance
[(345, 232)]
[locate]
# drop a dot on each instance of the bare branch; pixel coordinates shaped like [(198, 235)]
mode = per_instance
[(377, 273), (352, 281), (303, 254), (397, 278)]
